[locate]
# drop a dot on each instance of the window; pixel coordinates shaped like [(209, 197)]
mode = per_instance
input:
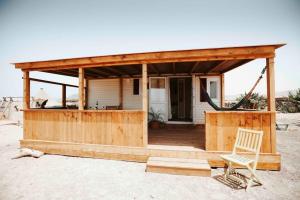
[(158, 83), (136, 86), (213, 89), (203, 86)]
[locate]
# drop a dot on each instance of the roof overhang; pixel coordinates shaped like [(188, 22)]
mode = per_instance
[(243, 54)]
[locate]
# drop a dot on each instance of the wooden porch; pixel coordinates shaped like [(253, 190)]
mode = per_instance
[(123, 134)]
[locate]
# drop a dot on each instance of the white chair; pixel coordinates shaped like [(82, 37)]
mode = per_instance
[(246, 141)]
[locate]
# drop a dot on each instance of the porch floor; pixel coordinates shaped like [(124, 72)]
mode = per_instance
[(173, 136)]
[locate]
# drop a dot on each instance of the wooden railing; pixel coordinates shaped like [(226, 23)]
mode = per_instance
[(107, 127), (221, 129)]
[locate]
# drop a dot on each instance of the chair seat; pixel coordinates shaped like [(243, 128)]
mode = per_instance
[(237, 159)]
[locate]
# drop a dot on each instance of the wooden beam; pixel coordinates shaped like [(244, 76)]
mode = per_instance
[(64, 96), (194, 67), (117, 71), (100, 72), (26, 90), (229, 53), (241, 62), (121, 93), (86, 93), (145, 104), (270, 84), (221, 64), (222, 90), (81, 89), (174, 67), (154, 68), (52, 82)]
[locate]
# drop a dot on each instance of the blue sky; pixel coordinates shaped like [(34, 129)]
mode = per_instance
[(40, 30)]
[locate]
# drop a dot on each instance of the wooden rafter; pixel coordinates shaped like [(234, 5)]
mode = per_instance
[(154, 68), (52, 82), (99, 72), (117, 71), (220, 65), (241, 62), (194, 67), (174, 67)]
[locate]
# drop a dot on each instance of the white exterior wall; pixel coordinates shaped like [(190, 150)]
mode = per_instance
[(201, 107), (130, 101), (106, 92)]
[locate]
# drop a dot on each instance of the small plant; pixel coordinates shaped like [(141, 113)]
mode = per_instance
[(155, 119)]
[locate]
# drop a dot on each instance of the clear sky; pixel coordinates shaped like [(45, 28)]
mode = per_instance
[(51, 29)]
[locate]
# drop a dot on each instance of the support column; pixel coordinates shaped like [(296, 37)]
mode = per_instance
[(145, 104), (64, 96), (86, 93), (121, 93), (26, 90), (271, 101), (222, 90), (270, 84), (81, 89)]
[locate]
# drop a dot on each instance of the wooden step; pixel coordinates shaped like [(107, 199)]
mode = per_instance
[(190, 167)]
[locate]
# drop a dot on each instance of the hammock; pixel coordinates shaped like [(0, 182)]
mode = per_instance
[(241, 102)]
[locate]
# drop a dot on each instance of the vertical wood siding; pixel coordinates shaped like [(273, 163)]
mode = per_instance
[(221, 129), (122, 128)]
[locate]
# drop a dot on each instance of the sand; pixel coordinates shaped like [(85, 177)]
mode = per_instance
[(62, 177)]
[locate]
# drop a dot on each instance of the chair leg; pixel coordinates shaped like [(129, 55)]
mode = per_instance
[(253, 177), (228, 168)]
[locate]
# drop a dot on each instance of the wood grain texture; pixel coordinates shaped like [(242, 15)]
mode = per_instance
[(267, 161), (228, 53), (81, 89), (26, 90), (270, 84), (221, 129), (122, 128)]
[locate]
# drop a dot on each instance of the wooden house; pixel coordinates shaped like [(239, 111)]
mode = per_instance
[(117, 91)]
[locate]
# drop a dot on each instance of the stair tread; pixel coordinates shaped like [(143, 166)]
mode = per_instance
[(195, 164)]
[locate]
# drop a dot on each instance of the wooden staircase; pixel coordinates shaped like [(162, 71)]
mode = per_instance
[(180, 166)]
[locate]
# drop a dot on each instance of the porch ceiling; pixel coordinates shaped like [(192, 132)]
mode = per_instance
[(157, 69)]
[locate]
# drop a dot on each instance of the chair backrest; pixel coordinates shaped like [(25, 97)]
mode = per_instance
[(248, 140)]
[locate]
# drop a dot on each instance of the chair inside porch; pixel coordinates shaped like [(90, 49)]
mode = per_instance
[(177, 137)]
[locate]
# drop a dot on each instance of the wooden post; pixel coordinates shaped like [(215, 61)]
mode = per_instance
[(86, 94), (121, 93), (145, 104), (271, 101), (222, 90), (270, 84), (81, 89), (64, 96), (26, 90)]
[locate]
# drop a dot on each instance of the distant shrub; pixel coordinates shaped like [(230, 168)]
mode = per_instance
[(256, 101)]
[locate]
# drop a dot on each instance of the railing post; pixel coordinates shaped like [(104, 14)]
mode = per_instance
[(222, 90), (81, 89), (26, 90), (64, 96), (145, 104)]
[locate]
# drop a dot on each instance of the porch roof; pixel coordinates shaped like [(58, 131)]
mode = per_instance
[(207, 61)]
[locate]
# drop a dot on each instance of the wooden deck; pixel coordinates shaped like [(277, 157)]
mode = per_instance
[(177, 136)]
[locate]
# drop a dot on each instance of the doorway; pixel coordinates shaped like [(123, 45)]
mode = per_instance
[(181, 99)]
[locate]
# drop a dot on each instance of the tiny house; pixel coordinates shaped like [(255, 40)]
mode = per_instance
[(116, 92)]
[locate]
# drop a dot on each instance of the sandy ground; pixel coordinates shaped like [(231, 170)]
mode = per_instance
[(61, 177)]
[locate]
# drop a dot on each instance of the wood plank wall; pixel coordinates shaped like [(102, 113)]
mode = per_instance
[(122, 128), (221, 129)]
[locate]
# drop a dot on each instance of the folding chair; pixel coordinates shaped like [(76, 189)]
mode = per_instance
[(246, 141)]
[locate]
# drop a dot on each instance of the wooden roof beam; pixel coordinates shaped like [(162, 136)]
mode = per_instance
[(99, 72), (51, 82), (117, 71), (221, 64), (194, 67), (174, 67), (155, 68), (228, 53)]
